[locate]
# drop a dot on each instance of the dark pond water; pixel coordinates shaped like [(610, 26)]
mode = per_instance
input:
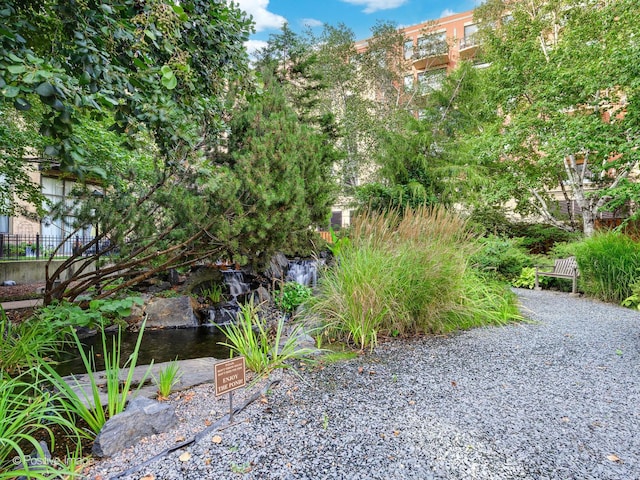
[(157, 345)]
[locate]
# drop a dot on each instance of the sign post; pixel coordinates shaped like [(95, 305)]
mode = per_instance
[(229, 376)]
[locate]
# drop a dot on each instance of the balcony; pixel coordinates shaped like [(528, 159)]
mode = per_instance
[(469, 46), (431, 54)]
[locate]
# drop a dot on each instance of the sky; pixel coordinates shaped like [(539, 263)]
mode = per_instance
[(358, 15)]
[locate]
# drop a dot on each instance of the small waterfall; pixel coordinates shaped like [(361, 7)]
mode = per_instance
[(223, 315), (234, 279), (226, 313), (305, 272)]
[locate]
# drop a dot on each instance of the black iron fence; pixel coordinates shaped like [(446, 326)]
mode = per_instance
[(36, 247)]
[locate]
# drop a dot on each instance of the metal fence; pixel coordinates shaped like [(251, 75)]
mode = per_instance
[(35, 247)]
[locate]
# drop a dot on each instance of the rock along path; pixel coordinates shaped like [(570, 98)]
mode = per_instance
[(557, 397)]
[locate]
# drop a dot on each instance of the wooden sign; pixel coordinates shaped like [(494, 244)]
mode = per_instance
[(229, 375)]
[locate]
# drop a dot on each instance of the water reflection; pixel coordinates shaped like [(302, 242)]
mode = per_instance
[(157, 345)]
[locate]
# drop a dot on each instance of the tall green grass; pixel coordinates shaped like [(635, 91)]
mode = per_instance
[(264, 349), (609, 265), (27, 414), (89, 406), (21, 344), (407, 274)]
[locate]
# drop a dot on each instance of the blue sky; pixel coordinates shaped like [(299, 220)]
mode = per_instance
[(358, 15)]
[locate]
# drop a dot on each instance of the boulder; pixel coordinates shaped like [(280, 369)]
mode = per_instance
[(143, 417), (176, 312), (278, 267), (261, 295)]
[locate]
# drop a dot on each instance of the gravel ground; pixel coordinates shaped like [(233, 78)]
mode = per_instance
[(557, 397)]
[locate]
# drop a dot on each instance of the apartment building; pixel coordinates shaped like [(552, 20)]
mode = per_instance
[(431, 50), (49, 231)]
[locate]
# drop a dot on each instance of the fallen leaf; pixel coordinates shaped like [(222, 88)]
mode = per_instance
[(412, 402), (372, 372), (614, 458), (396, 432), (216, 439), (360, 369), (185, 457), (180, 439), (151, 476), (264, 400), (188, 397), (207, 423), (454, 383), (207, 461)]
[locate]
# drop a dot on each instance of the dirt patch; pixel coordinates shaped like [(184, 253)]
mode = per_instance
[(24, 291)]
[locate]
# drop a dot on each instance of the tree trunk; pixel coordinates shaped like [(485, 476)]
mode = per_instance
[(588, 222)]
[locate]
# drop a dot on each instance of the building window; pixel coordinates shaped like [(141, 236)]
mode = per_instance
[(56, 227), (431, 80), (336, 219), (408, 83), (408, 49), (433, 45), (470, 36)]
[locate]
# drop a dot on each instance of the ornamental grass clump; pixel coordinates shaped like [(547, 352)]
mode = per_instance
[(168, 377), (118, 382), (405, 273), (609, 265), (264, 349), (22, 344)]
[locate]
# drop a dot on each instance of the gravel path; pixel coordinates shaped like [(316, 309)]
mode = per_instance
[(554, 398)]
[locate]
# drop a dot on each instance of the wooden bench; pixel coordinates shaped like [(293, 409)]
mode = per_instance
[(562, 268)]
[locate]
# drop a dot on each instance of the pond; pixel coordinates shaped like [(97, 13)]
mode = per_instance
[(157, 345)]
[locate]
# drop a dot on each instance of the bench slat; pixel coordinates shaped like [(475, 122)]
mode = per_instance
[(562, 268)]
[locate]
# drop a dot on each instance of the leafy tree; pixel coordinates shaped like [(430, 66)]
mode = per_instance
[(157, 66), (156, 72), (564, 82)]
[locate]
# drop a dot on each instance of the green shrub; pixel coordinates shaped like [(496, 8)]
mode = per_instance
[(527, 278), (291, 296), (487, 220), (564, 250), (404, 275), (539, 238), (59, 316), (609, 266), (501, 257), (633, 301), (213, 293)]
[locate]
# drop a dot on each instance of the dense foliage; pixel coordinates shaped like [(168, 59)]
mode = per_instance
[(609, 266), (563, 93), (408, 274)]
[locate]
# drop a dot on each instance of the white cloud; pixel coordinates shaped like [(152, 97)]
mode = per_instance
[(447, 12), (311, 22), (263, 18), (376, 5), (253, 46)]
